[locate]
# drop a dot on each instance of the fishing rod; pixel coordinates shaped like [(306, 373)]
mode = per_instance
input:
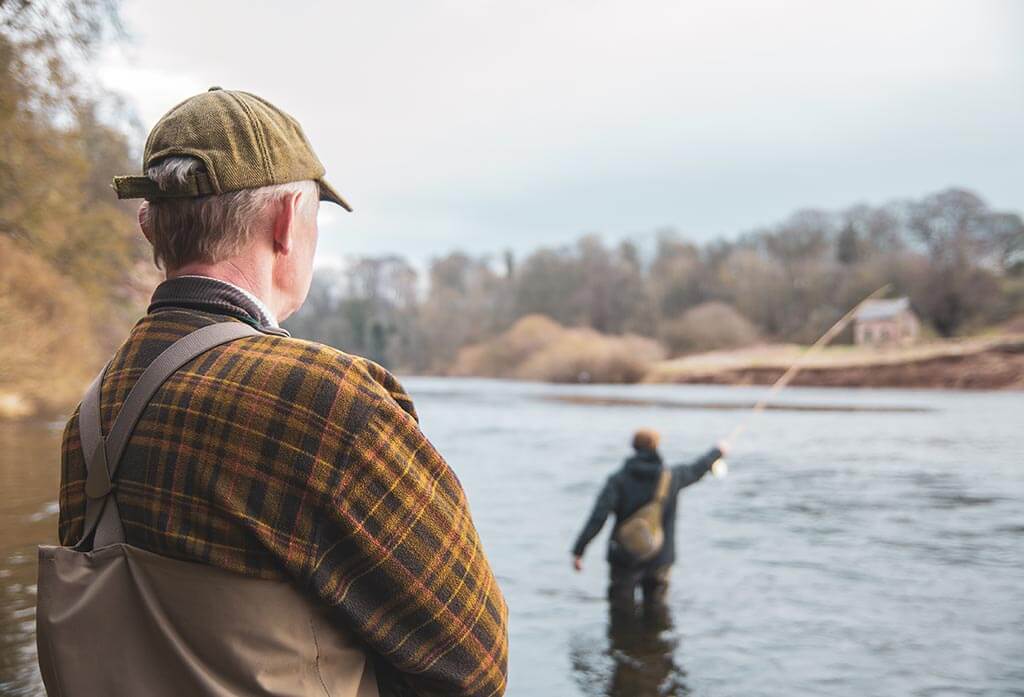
[(720, 468)]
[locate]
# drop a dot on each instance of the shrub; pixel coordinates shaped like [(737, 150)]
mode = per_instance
[(538, 348), (584, 355), (706, 327), (501, 356)]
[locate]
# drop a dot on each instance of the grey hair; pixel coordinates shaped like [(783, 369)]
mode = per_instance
[(210, 228)]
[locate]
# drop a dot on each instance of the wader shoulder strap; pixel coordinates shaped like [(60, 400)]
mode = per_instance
[(662, 491), (90, 434), (103, 455)]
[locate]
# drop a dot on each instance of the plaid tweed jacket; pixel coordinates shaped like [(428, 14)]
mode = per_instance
[(281, 458)]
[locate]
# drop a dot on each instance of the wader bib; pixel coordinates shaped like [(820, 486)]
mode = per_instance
[(114, 620)]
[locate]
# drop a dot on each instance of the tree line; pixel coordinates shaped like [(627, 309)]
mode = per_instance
[(960, 261)]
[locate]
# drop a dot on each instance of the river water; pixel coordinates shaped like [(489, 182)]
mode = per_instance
[(864, 542)]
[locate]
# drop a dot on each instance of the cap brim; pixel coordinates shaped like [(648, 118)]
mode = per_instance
[(327, 193)]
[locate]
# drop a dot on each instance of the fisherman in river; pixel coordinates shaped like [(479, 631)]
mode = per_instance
[(642, 495), (242, 512)]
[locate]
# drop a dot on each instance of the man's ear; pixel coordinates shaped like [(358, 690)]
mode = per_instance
[(284, 223), (144, 221)]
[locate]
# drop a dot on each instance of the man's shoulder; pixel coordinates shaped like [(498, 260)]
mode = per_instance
[(293, 369), (299, 360)]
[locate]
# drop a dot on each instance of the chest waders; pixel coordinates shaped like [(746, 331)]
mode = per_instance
[(115, 620)]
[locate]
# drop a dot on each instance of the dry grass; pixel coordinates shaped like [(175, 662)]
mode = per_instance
[(538, 348), (50, 347), (707, 327), (781, 356)]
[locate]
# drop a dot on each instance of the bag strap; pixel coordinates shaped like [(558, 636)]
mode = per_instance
[(662, 491), (103, 454)]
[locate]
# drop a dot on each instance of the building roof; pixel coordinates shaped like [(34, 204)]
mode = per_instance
[(882, 309)]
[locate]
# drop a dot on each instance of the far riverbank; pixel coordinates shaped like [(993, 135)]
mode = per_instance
[(980, 363), (984, 363)]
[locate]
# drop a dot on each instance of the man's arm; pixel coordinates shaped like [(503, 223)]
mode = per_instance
[(402, 564), (606, 502), (687, 474), (71, 519)]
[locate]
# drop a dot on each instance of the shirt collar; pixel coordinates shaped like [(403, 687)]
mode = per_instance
[(267, 315), (217, 296)]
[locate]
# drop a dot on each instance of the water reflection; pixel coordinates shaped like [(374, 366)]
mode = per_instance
[(639, 659), (29, 475)]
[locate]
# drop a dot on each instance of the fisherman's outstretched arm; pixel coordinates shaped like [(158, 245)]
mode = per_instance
[(605, 504), (399, 559), (690, 473)]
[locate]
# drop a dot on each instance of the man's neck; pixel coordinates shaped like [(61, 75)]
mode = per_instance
[(236, 275)]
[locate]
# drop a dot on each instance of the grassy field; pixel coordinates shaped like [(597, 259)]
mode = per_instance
[(980, 362)]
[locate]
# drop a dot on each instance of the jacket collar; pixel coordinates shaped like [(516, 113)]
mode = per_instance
[(215, 296), (644, 464), (648, 456)]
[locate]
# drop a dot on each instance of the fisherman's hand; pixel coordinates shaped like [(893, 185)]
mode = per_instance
[(577, 563), (723, 447)]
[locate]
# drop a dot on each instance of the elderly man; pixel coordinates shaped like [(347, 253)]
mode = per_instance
[(286, 463), (642, 494)]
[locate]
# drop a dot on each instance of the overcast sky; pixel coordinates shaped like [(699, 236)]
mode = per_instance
[(483, 125)]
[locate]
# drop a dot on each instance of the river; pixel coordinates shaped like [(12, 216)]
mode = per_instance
[(864, 542)]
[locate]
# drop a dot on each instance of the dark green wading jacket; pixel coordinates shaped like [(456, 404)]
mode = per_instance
[(633, 486)]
